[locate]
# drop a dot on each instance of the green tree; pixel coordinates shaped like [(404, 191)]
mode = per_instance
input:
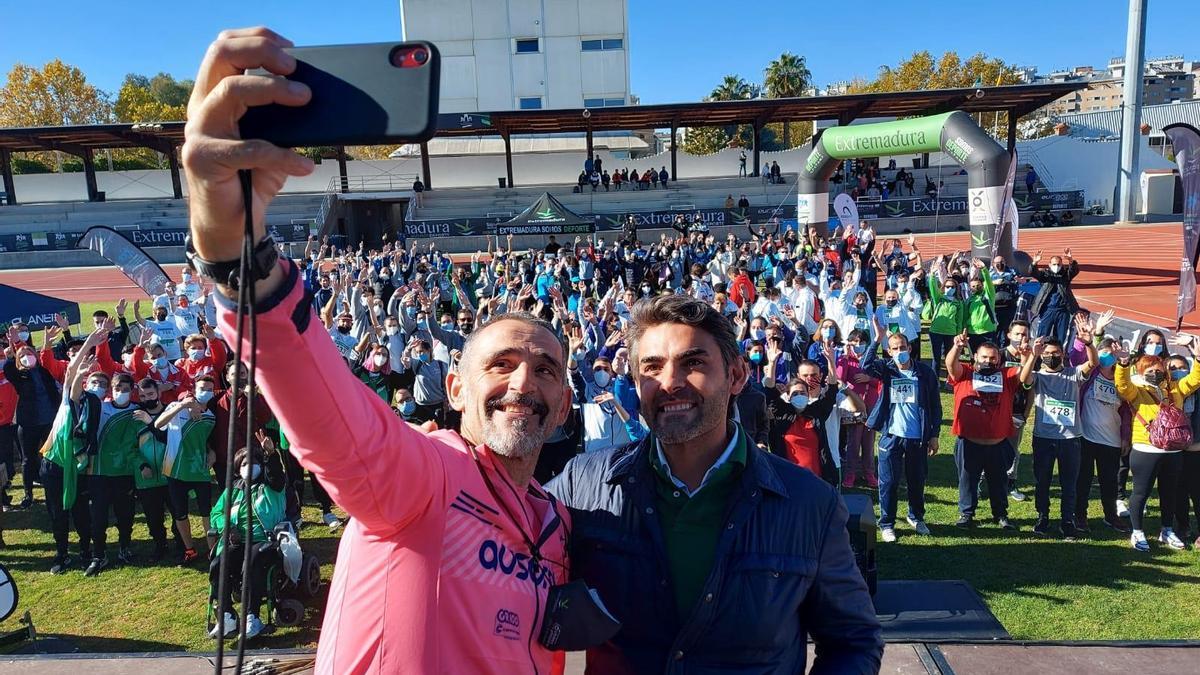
[(786, 77), (138, 104)]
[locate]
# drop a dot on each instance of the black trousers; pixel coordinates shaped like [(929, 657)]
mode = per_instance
[(262, 557), (1147, 468), (115, 492), (1101, 462), (973, 461), (1187, 500), (10, 448), (155, 505), (32, 438), (51, 475)]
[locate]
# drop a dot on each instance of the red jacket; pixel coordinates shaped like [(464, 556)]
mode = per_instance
[(182, 383), (58, 367), (8, 401), (742, 291), (213, 363)]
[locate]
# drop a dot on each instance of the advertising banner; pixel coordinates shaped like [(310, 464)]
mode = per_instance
[(847, 212), (127, 257), (1185, 140)]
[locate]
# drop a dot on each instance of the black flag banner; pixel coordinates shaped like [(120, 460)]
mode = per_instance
[(131, 260), (1185, 140)]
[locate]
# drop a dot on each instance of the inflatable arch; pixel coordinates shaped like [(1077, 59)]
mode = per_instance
[(953, 133)]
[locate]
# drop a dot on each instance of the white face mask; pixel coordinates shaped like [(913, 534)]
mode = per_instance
[(121, 397), (380, 360), (97, 390), (29, 360), (246, 474), (1055, 268), (392, 330)]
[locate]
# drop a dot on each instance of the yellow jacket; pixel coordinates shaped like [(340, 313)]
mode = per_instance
[(1144, 397)]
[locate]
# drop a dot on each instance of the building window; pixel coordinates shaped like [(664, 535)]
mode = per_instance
[(530, 103), (527, 46), (602, 102), (602, 45)]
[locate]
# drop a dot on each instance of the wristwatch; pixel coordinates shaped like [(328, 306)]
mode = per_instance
[(226, 272)]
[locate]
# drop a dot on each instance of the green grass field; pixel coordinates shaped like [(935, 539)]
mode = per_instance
[(1097, 588)]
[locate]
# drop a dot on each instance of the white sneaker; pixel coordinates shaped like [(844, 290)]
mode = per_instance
[(1168, 537), (332, 521), (1122, 509), (919, 526), (253, 626), (224, 629), (1138, 541), (888, 534)]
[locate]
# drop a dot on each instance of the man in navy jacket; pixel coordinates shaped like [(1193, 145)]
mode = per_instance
[(907, 416), (715, 555)]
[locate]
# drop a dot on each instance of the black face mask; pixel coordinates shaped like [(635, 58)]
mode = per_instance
[(575, 619), (344, 330), (988, 371), (1053, 362), (1155, 377)]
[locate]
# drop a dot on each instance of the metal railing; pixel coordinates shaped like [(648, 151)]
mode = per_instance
[(384, 182)]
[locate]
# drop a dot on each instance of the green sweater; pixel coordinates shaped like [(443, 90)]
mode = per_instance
[(945, 316), (981, 309)]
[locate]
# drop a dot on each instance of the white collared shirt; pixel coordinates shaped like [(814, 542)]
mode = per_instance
[(662, 459)]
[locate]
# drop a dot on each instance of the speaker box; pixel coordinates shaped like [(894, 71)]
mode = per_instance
[(862, 527)]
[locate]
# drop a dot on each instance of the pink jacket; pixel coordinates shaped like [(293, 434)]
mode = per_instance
[(432, 574)]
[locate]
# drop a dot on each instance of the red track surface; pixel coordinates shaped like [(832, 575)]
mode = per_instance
[(1134, 269)]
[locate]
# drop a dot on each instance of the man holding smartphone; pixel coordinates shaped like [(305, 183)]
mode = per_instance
[(453, 552)]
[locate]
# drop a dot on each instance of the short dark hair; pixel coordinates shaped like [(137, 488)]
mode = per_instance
[(100, 314), (123, 378), (685, 310), (1017, 323), (1052, 342)]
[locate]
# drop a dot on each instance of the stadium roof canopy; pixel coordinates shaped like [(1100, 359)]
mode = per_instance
[(165, 137)]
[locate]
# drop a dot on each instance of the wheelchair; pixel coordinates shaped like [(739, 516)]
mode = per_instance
[(286, 590)]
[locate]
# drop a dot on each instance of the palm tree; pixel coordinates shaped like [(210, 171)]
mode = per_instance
[(733, 88), (787, 76)]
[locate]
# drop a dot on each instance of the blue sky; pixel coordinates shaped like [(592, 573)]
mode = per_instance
[(679, 49)]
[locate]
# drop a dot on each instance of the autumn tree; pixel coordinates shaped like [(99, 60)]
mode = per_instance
[(157, 99), (56, 94)]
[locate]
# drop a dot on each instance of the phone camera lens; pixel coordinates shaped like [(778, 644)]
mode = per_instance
[(421, 55)]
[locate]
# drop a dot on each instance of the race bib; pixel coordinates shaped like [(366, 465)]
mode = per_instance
[(1059, 413), (988, 384), (904, 390), (1105, 392)]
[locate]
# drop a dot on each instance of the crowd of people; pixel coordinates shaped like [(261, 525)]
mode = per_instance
[(595, 175)]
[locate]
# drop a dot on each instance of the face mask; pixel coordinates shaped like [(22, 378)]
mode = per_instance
[(186, 277), (247, 475), (162, 316), (890, 304), (29, 360), (161, 363), (447, 326), (408, 407), (385, 276), (601, 377), (344, 330), (410, 311), (204, 396), (901, 358), (423, 357), (23, 335), (827, 333), (1178, 374), (379, 360), (1154, 377), (97, 390), (645, 290), (392, 330), (195, 354), (986, 371), (799, 401), (121, 397), (859, 349), (950, 292), (1152, 349), (1107, 359), (1054, 269), (573, 620), (758, 333), (756, 358), (1053, 362), (423, 324)]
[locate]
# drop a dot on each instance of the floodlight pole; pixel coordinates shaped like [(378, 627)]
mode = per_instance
[(1131, 112)]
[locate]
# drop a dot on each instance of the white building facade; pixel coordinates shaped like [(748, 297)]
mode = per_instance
[(525, 54)]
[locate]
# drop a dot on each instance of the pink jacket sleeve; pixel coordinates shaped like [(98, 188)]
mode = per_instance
[(383, 472)]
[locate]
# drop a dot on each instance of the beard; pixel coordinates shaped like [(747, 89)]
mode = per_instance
[(680, 427), (515, 438)]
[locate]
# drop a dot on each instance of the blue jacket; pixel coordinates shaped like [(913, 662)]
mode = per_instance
[(929, 394), (783, 570)]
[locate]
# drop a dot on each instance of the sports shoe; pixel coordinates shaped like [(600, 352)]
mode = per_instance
[(1017, 495), (95, 566), (61, 565), (1168, 537), (872, 481), (1138, 541), (849, 479), (965, 521), (1081, 525), (225, 628), (1006, 524), (888, 534), (331, 521), (918, 525), (1042, 527), (1122, 509), (253, 626), (25, 504), (1068, 530), (125, 556), (1116, 524)]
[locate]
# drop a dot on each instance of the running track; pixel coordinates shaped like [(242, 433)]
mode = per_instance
[(1133, 269)]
